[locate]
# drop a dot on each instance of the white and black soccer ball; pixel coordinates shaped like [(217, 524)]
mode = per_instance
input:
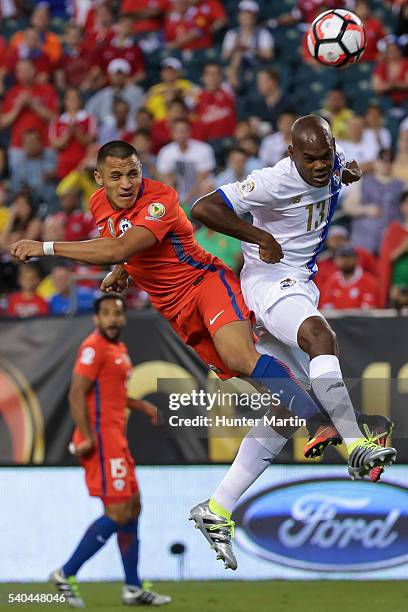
[(337, 38)]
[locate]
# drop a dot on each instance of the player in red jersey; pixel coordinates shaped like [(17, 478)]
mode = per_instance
[(145, 230), (98, 401)]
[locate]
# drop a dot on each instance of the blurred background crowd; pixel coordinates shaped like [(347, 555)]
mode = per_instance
[(206, 91)]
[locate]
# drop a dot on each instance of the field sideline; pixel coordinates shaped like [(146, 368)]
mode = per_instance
[(238, 596)]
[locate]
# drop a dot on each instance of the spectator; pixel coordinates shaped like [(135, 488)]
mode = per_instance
[(27, 106), (144, 119), (147, 15), (275, 146), (186, 163), (215, 106), (122, 46), (249, 44), (250, 144), (69, 299), (401, 27), (373, 27), (172, 86), (269, 101), (375, 130), (373, 203), (335, 110), (142, 141), (71, 133), (26, 303), (357, 147), (337, 237), (236, 168), (350, 286), (40, 21), (400, 165), (101, 103), (36, 170), (4, 51), (82, 178), (22, 222), (228, 249), (393, 266), (71, 223), (391, 74), (118, 126), (161, 130), (75, 68), (98, 27), (30, 47), (187, 26)]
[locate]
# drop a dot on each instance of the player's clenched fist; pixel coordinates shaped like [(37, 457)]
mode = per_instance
[(23, 250), (82, 449), (116, 281), (270, 251)]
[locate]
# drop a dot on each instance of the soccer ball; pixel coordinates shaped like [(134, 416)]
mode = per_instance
[(337, 38)]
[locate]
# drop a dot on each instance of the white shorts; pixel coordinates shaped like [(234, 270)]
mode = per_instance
[(281, 303)]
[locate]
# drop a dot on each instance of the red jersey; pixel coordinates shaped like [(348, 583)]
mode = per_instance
[(76, 65), (74, 151), (374, 32), (108, 365), (78, 225), (131, 53), (361, 291), (152, 24), (22, 307), (168, 270), (216, 112), (327, 267), (382, 70), (28, 119), (196, 18)]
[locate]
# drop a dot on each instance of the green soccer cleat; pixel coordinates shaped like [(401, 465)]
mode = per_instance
[(366, 454), (68, 586), (217, 530)]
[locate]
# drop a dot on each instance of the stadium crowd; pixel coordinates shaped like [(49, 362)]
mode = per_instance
[(206, 91)]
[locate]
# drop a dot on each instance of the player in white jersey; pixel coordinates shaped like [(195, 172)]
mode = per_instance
[(292, 205)]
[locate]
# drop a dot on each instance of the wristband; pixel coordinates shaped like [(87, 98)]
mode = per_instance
[(48, 248)]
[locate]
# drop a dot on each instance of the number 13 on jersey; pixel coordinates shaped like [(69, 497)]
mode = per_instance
[(315, 219)]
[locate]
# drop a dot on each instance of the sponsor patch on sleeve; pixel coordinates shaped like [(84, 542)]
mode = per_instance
[(246, 187), (155, 211)]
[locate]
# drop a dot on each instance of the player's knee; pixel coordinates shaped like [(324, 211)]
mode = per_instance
[(135, 507), (318, 338)]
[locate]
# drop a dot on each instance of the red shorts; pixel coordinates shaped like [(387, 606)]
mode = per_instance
[(110, 469), (217, 300)]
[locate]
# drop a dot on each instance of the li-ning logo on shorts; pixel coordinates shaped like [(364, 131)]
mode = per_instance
[(124, 225), (288, 282), (155, 211), (246, 187)]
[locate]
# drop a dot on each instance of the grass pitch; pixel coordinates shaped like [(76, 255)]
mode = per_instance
[(237, 596)]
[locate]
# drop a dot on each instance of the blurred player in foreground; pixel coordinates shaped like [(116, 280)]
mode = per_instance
[(98, 401), (145, 229)]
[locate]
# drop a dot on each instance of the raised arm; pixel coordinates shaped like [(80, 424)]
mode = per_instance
[(212, 211), (102, 251)]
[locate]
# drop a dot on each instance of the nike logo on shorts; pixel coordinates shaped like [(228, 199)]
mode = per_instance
[(212, 321)]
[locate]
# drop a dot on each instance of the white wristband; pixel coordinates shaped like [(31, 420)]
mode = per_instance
[(48, 248)]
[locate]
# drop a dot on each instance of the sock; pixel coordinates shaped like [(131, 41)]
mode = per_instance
[(94, 538), (128, 543), (328, 385), (258, 449), (278, 377)]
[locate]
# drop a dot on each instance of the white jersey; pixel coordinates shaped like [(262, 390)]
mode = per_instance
[(295, 213)]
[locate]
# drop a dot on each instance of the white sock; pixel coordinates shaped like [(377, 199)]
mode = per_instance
[(328, 385), (260, 446)]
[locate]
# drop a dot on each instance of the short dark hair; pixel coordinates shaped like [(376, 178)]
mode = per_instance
[(237, 149), (107, 296), (143, 132), (115, 148), (404, 196), (272, 73)]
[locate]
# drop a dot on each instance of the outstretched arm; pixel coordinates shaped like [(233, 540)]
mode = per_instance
[(212, 211), (103, 251)]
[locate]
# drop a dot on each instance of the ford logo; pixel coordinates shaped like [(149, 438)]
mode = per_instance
[(327, 525)]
